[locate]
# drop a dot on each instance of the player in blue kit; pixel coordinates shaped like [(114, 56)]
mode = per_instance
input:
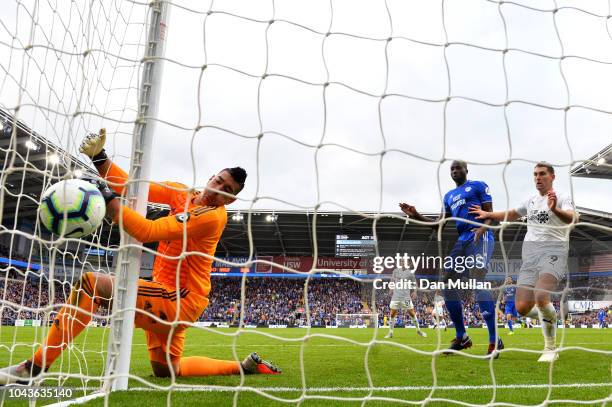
[(601, 316), (473, 242), (509, 304)]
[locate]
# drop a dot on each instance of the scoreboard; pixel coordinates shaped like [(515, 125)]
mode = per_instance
[(352, 245)]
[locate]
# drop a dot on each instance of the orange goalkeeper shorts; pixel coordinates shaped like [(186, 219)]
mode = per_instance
[(163, 302)]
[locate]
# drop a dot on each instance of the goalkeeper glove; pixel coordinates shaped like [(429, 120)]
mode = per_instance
[(107, 193), (93, 147)]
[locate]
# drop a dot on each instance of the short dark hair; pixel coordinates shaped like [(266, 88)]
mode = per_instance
[(548, 166), (461, 163), (239, 175)]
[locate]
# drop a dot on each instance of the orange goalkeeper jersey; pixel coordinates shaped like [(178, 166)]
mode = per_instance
[(189, 229)]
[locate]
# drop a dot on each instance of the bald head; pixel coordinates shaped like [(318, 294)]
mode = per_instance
[(460, 163), (459, 171)]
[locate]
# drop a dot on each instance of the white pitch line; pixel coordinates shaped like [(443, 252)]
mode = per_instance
[(389, 388), (98, 394), (77, 401), (324, 345)]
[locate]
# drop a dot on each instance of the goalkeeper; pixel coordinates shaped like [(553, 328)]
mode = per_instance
[(194, 225)]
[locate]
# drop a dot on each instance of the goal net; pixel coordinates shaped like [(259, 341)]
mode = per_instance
[(335, 108), (356, 320), (67, 69)]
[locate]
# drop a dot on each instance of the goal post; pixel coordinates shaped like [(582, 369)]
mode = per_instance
[(67, 69), (128, 266)]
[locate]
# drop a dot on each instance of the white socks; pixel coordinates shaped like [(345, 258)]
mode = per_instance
[(415, 321), (533, 313), (548, 319)]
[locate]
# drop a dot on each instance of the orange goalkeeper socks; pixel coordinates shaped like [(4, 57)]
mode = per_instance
[(67, 325), (203, 366)]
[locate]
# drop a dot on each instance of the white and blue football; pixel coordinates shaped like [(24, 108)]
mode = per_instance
[(72, 208)]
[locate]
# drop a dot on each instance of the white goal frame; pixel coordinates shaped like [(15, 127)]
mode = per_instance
[(373, 317)]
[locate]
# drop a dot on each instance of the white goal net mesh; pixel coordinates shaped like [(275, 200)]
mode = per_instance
[(335, 105), (68, 68)]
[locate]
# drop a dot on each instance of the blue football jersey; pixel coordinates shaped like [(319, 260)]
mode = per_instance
[(509, 293), (458, 200)]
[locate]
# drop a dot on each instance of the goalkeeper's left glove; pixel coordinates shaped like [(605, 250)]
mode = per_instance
[(93, 147)]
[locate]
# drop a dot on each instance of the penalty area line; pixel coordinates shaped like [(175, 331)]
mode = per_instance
[(388, 388)]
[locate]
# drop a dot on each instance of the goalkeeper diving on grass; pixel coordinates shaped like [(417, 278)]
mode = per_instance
[(194, 225)]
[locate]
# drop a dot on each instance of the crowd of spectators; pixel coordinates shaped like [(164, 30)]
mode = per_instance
[(590, 318), (15, 295), (593, 289), (268, 301), (281, 301), (271, 301)]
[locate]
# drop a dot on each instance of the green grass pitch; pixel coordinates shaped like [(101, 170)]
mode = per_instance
[(337, 368)]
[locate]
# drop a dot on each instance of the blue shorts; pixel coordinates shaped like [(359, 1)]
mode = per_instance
[(510, 309), (480, 252)]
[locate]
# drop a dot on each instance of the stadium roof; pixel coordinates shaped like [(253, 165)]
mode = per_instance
[(29, 163), (598, 166), (30, 159), (291, 233)]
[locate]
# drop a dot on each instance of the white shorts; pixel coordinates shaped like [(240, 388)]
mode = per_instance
[(542, 259), (438, 311), (400, 305)]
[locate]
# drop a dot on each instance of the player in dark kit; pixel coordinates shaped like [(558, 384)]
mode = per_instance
[(601, 317), (473, 241), (509, 304)]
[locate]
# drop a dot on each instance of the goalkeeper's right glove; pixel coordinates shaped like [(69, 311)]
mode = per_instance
[(93, 147), (107, 193)]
